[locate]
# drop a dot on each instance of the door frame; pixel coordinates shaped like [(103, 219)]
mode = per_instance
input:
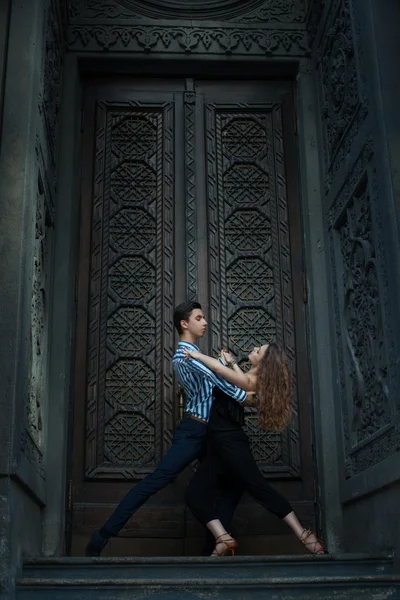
[(77, 67)]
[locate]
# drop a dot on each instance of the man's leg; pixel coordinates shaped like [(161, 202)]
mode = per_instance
[(188, 443)]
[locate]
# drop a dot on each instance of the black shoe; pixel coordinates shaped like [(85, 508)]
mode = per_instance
[(96, 544)]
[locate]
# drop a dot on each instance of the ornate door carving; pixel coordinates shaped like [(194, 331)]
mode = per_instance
[(250, 268), (131, 291), (185, 193)]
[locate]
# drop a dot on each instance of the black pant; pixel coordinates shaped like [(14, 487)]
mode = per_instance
[(188, 444), (230, 456)]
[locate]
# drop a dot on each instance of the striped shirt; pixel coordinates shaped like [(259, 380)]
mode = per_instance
[(198, 382)]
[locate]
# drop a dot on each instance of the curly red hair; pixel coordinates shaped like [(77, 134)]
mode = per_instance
[(274, 390)]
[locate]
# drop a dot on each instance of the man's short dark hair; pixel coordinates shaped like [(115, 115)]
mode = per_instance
[(182, 313)]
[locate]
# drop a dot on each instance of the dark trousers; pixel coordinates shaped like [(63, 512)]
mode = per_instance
[(189, 443), (230, 456)]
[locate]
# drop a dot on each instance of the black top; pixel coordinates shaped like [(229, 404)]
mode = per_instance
[(226, 413)]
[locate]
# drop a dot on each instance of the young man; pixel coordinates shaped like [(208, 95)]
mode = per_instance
[(190, 438)]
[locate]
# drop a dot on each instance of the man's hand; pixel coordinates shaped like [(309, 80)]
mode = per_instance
[(191, 354), (251, 399), (222, 358)]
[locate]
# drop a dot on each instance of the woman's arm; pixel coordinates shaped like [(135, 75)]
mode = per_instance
[(230, 361), (236, 377)]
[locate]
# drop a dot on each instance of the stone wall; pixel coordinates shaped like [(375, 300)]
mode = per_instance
[(28, 184), (354, 44)]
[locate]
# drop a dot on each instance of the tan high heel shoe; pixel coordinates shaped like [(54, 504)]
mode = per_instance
[(317, 546), (230, 544)]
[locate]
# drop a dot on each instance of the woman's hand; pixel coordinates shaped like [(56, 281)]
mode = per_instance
[(191, 354), (228, 358)]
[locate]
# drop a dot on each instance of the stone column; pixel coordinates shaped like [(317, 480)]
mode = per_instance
[(327, 449), (25, 216)]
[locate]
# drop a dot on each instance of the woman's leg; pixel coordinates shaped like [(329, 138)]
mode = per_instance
[(224, 541), (201, 496), (234, 450), (307, 537)]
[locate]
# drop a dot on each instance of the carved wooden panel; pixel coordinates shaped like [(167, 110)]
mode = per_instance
[(182, 195), (190, 193), (129, 390), (251, 300)]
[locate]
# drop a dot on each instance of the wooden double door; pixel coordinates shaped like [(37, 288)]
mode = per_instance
[(188, 190)]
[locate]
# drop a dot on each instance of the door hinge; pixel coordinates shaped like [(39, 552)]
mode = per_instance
[(305, 289)]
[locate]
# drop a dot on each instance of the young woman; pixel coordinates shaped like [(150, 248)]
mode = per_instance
[(229, 449)]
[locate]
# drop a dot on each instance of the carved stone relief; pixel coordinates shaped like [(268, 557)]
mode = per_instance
[(283, 11), (133, 26), (314, 18), (95, 9), (362, 314), (33, 434), (344, 105), (203, 40), (50, 97), (247, 11), (49, 102)]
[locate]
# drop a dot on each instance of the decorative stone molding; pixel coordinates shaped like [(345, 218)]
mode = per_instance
[(190, 40), (136, 26)]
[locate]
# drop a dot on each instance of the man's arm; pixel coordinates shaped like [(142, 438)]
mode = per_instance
[(237, 376), (236, 392)]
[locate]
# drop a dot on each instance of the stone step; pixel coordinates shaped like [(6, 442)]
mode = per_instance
[(194, 568), (383, 587), (332, 577)]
